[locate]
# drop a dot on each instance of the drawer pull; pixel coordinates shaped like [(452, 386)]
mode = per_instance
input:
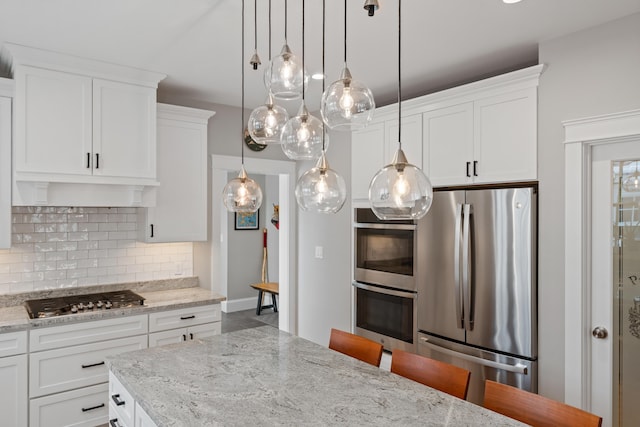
[(92, 365), (114, 423), (184, 337), (188, 317), (93, 407), (191, 335), (116, 400)]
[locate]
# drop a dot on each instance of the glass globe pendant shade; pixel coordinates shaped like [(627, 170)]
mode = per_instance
[(321, 189), (242, 194), (302, 136), (347, 104), (266, 122), (400, 191), (285, 76), (631, 183)]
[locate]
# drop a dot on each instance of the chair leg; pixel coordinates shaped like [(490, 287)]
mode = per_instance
[(259, 307), (275, 304)]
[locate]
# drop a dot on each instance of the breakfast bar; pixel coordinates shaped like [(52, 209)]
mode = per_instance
[(265, 376)]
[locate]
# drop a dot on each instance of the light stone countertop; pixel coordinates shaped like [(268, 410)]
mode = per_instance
[(262, 376), (15, 317)]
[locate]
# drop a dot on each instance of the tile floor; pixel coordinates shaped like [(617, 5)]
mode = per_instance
[(247, 319)]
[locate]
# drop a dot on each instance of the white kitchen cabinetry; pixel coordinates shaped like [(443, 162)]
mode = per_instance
[(6, 87), (186, 324), (142, 419), (124, 411), (85, 131), (180, 213), (67, 370), (367, 157), (13, 379), (448, 144)]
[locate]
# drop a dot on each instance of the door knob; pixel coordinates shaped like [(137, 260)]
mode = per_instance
[(600, 332)]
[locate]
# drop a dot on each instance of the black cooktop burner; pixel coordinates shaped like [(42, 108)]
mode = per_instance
[(51, 307)]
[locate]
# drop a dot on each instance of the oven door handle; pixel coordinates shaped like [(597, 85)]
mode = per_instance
[(393, 292), (386, 226)]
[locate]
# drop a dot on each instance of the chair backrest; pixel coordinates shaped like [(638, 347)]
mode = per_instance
[(534, 409), (356, 346), (433, 373)]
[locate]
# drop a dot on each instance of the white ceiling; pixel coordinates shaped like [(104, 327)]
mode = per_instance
[(197, 42)]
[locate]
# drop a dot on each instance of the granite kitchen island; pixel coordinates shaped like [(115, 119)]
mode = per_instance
[(267, 377)]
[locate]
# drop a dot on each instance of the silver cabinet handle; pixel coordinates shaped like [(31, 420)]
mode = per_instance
[(600, 332), (518, 368)]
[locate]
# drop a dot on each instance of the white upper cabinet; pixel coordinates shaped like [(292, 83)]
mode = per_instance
[(448, 145), (85, 131), (367, 157), (6, 93), (180, 213)]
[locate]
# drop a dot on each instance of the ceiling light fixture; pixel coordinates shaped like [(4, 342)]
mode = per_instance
[(266, 122), (255, 59), (400, 190), (347, 104), (242, 194), (371, 6), (285, 76), (302, 134), (321, 189)]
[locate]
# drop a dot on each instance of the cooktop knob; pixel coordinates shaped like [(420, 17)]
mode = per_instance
[(108, 305), (81, 306), (74, 309), (99, 304), (90, 306)]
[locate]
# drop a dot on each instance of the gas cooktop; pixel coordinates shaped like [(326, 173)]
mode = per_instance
[(62, 306)]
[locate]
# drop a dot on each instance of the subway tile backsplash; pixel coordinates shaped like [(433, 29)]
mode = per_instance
[(59, 247)]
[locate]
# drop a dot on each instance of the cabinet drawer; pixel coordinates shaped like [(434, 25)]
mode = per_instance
[(13, 343), (121, 400), (87, 332), (63, 369), (184, 317), (86, 407), (174, 336)]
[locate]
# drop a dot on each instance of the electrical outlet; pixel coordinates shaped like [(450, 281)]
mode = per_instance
[(319, 252)]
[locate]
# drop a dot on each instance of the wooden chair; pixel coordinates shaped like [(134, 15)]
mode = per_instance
[(534, 409), (356, 346), (439, 375)]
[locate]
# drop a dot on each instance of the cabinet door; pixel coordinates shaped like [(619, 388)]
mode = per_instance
[(411, 139), (204, 331), (448, 144), (5, 172), (172, 336), (142, 418), (184, 317), (180, 214), (124, 130), (367, 158), (13, 392), (506, 137), (53, 122)]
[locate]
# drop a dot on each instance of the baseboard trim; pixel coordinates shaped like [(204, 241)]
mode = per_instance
[(230, 306)]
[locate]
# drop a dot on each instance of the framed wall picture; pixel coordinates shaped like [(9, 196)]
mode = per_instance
[(247, 220)]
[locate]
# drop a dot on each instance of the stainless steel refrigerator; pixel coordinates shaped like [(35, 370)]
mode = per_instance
[(477, 295)]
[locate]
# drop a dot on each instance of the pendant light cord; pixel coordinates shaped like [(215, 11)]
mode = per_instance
[(345, 33), (399, 74), (242, 90), (286, 12), (324, 130), (269, 30), (255, 25), (303, 52)]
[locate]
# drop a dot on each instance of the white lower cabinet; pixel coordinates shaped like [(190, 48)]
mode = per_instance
[(174, 336), (85, 407), (13, 391), (123, 410), (142, 419)]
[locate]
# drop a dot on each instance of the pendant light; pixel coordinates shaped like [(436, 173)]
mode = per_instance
[(321, 189), (371, 6), (266, 122), (400, 190), (302, 135), (631, 183), (255, 59), (242, 194), (347, 104), (286, 76)]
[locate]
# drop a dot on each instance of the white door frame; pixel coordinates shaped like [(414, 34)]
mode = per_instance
[(580, 137), (286, 171)]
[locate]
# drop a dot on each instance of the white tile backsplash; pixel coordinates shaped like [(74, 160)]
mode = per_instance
[(60, 247)]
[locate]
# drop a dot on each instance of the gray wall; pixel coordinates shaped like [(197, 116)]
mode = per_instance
[(591, 72), (272, 198), (324, 285)]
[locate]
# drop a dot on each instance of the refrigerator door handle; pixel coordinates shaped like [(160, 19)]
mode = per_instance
[(456, 267), (518, 368), (466, 268)]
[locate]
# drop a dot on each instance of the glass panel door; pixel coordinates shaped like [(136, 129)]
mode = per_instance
[(626, 279)]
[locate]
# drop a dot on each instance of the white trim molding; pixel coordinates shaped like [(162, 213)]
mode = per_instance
[(581, 136)]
